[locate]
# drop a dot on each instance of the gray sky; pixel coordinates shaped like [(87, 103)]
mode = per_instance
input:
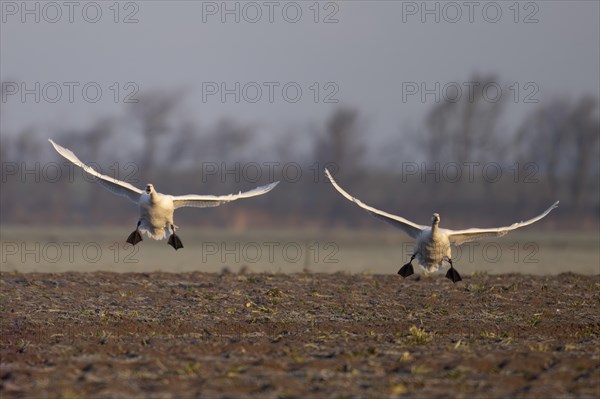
[(366, 57)]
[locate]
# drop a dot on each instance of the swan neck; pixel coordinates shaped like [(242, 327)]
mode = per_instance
[(434, 228)]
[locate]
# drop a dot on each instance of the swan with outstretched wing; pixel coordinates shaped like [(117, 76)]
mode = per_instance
[(156, 209), (432, 246)]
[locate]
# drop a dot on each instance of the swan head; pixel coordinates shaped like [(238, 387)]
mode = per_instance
[(149, 189), (435, 219)]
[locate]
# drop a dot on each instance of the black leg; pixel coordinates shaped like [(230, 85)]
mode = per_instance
[(135, 237), (452, 273), (407, 269), (174, 241)]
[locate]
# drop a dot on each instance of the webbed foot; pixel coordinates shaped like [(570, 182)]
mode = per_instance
[(406, 270), (175, 242), (453, 275), (134, 237)]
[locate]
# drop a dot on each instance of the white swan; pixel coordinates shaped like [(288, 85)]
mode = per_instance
[(432, 245), (156, 209)]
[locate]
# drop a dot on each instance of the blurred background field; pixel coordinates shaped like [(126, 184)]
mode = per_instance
[(285, 251), (452, 146)]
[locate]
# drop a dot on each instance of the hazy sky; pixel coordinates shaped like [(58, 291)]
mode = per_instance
[(368, 56)]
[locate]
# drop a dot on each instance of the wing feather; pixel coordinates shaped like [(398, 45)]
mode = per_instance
[(113, 185), (410, 228), (458, 237), (204, 201)]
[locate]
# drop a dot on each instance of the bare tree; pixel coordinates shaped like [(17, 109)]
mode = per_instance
[(185, 146), (586, 136), (229, 139), (153, 111), (562, 140), (466, 129), (340, 142)]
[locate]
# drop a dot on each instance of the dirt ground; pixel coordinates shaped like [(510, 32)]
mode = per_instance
[(188, 335)]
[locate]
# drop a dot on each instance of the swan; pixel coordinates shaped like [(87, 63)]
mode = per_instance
[(156, 209), (432, 243)]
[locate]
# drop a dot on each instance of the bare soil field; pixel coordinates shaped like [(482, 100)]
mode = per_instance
[(224, 335)]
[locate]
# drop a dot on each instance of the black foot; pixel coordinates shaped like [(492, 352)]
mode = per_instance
[(406, 270), (453, 275), (134, 237), (175, 242)]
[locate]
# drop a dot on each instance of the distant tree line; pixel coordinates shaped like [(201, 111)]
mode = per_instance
[(460, 162)]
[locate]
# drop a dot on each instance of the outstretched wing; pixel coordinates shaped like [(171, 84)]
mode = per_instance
[(410, 228), (459, 237), (113, 185), (205, 201)]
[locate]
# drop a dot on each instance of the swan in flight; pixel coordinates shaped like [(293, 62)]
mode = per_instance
[(432, 245), (156, 209)]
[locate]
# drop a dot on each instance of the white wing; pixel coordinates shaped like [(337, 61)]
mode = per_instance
[(115, 186), (458, 237), (204, 201), (410, 228)]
